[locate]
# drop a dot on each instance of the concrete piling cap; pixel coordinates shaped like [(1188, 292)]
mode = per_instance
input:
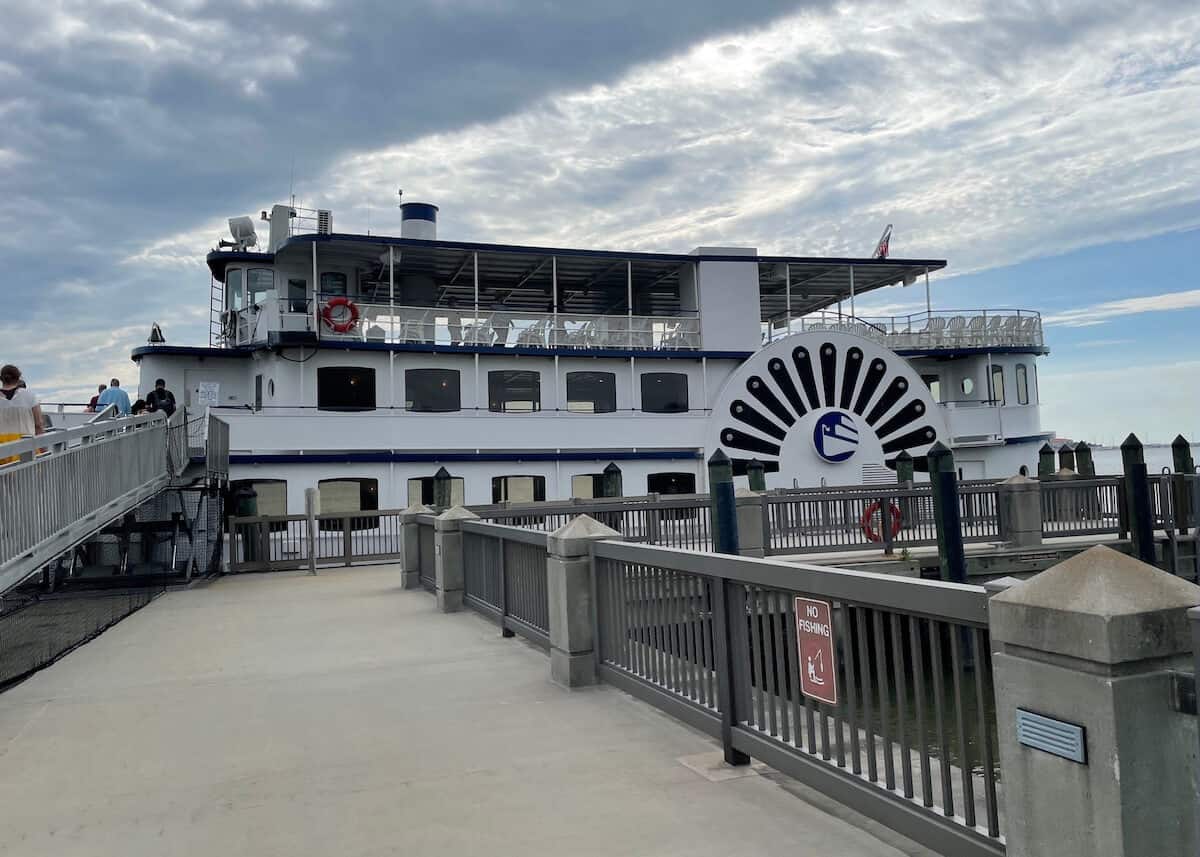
[(718, 457), (571, 539), (904, 456), (1180, 441), (1046, 447), (442, 473), (1100, 606), (416, 509), (612, 468), (1131, 442), (1018, 479), (458, 513), (746, 492)]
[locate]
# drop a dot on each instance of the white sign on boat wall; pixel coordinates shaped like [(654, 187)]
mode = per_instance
[(208, 394)]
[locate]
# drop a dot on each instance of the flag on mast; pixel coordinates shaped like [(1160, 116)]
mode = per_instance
[(881, 249)]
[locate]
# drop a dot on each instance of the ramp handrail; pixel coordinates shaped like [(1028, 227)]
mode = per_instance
[(68, 484)]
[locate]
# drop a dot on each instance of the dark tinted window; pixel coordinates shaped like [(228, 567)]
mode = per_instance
[(345, 388), (664, 392), (420, 490), (513, 391), (333, 283), (340, 496), (259, 281), (1022, 385), (519, 489), (591, 392), (934, 383), (432, 390), (671, 483)]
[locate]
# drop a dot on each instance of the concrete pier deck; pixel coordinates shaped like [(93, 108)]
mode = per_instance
[(338, 715)]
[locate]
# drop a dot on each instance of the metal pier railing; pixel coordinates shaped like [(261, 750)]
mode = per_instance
[(66, 485)]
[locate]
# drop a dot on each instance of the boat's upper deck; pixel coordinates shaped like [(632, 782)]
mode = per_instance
[(324, 286)]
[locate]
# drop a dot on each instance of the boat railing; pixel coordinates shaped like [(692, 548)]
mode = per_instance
[(969, 328), (395, 324), (385, 322)]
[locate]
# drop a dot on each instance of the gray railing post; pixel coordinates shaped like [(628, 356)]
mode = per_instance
[(722, 504), (448, 557), (410, 552), (756, 474), (1137, 493), (1046, 466), (611, 481), (442, 484), (1019, 504), (946, 515), (347, 540), (312, 508), (1095, 760), (570, 591), (1181, 458), (750, 522)]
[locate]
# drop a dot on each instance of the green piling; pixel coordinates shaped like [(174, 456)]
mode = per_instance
[(1084, 464), (1137, 499), (951, 556), (441, 489), (1046, 465), (611, 482), (757, 474)]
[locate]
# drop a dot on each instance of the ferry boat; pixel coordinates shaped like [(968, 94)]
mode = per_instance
[(362, 364)]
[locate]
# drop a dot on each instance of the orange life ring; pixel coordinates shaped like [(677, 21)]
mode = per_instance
[(340, 326), (869, 530)]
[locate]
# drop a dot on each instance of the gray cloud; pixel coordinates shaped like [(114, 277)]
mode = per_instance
[(987, 134)]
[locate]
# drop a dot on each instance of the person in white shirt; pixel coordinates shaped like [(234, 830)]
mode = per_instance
[(20, 413)]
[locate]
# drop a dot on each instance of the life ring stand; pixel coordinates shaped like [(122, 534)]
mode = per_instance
[(340, 326), (869, 530)]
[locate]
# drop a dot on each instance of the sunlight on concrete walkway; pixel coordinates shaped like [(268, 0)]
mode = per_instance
[(338, 715)]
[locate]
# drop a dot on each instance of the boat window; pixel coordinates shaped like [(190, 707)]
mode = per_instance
[(420, 490), (234, 296), (339, 496), (514, 391), (671, 483), (664, 392), (432, 390), (587, 485), (968, 386), (258, 392), (259, 281), (333, 283), (518, 489), (591, 392), (1022, 385), (345, 388), (272, 495), (1037, 392), (998, 385), (297, 293), (934, 383)]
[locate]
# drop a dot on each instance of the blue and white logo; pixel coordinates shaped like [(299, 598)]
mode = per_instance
[(835, 437)]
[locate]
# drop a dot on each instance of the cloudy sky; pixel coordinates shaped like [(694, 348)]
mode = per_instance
[(1050, 152)]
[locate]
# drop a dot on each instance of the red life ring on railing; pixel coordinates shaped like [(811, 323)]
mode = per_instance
[(340, 326), (869, 529)]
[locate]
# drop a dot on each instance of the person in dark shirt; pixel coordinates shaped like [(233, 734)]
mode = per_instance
[(160, 398), (91, 408)]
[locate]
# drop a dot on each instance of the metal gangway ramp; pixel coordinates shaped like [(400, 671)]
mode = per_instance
[(61, 488)]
